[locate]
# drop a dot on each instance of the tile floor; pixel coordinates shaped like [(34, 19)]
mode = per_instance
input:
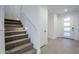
[(61, 46)]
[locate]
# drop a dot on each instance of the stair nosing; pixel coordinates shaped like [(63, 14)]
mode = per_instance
[(15, 28), (15, 31), (16, 41), (14, 35)]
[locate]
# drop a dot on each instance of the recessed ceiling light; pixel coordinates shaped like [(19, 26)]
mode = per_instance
[(65, 10)]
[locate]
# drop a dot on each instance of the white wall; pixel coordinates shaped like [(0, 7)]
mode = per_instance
[(12, 12), (75, 24), (60, 26), (35, 19), (2, 40), (29, 18), (55, 26), (50, 25)]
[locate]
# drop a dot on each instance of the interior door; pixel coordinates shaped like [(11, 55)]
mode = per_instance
[(44, 24)]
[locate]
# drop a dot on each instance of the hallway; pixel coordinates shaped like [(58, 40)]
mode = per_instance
[(61, 46)]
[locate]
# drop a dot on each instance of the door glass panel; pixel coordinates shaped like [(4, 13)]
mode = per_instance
[(66, 28), (66, 24)]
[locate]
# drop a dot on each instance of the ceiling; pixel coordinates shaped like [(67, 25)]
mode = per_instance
[(59, 9)]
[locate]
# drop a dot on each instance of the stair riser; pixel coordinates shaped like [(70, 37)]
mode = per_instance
[(17, 44), (22, 50), (7, 22), (14, 33), (15, 38), (12, 21)]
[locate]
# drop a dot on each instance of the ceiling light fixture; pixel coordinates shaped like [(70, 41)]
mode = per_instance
[(65, 10)]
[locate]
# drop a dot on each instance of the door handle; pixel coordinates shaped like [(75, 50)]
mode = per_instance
[(44, 30), (72, 28)]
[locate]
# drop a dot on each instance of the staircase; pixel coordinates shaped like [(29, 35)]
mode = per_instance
[(16, 39)]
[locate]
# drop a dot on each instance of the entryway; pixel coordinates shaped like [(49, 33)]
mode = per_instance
[(63, 30)]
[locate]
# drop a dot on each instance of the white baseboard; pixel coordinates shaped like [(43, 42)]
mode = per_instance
[(51, 37)]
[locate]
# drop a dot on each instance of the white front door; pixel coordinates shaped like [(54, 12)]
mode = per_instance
[(68, 28)]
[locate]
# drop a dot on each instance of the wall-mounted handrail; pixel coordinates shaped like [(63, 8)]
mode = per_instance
[(31, 23), (21, 14)]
